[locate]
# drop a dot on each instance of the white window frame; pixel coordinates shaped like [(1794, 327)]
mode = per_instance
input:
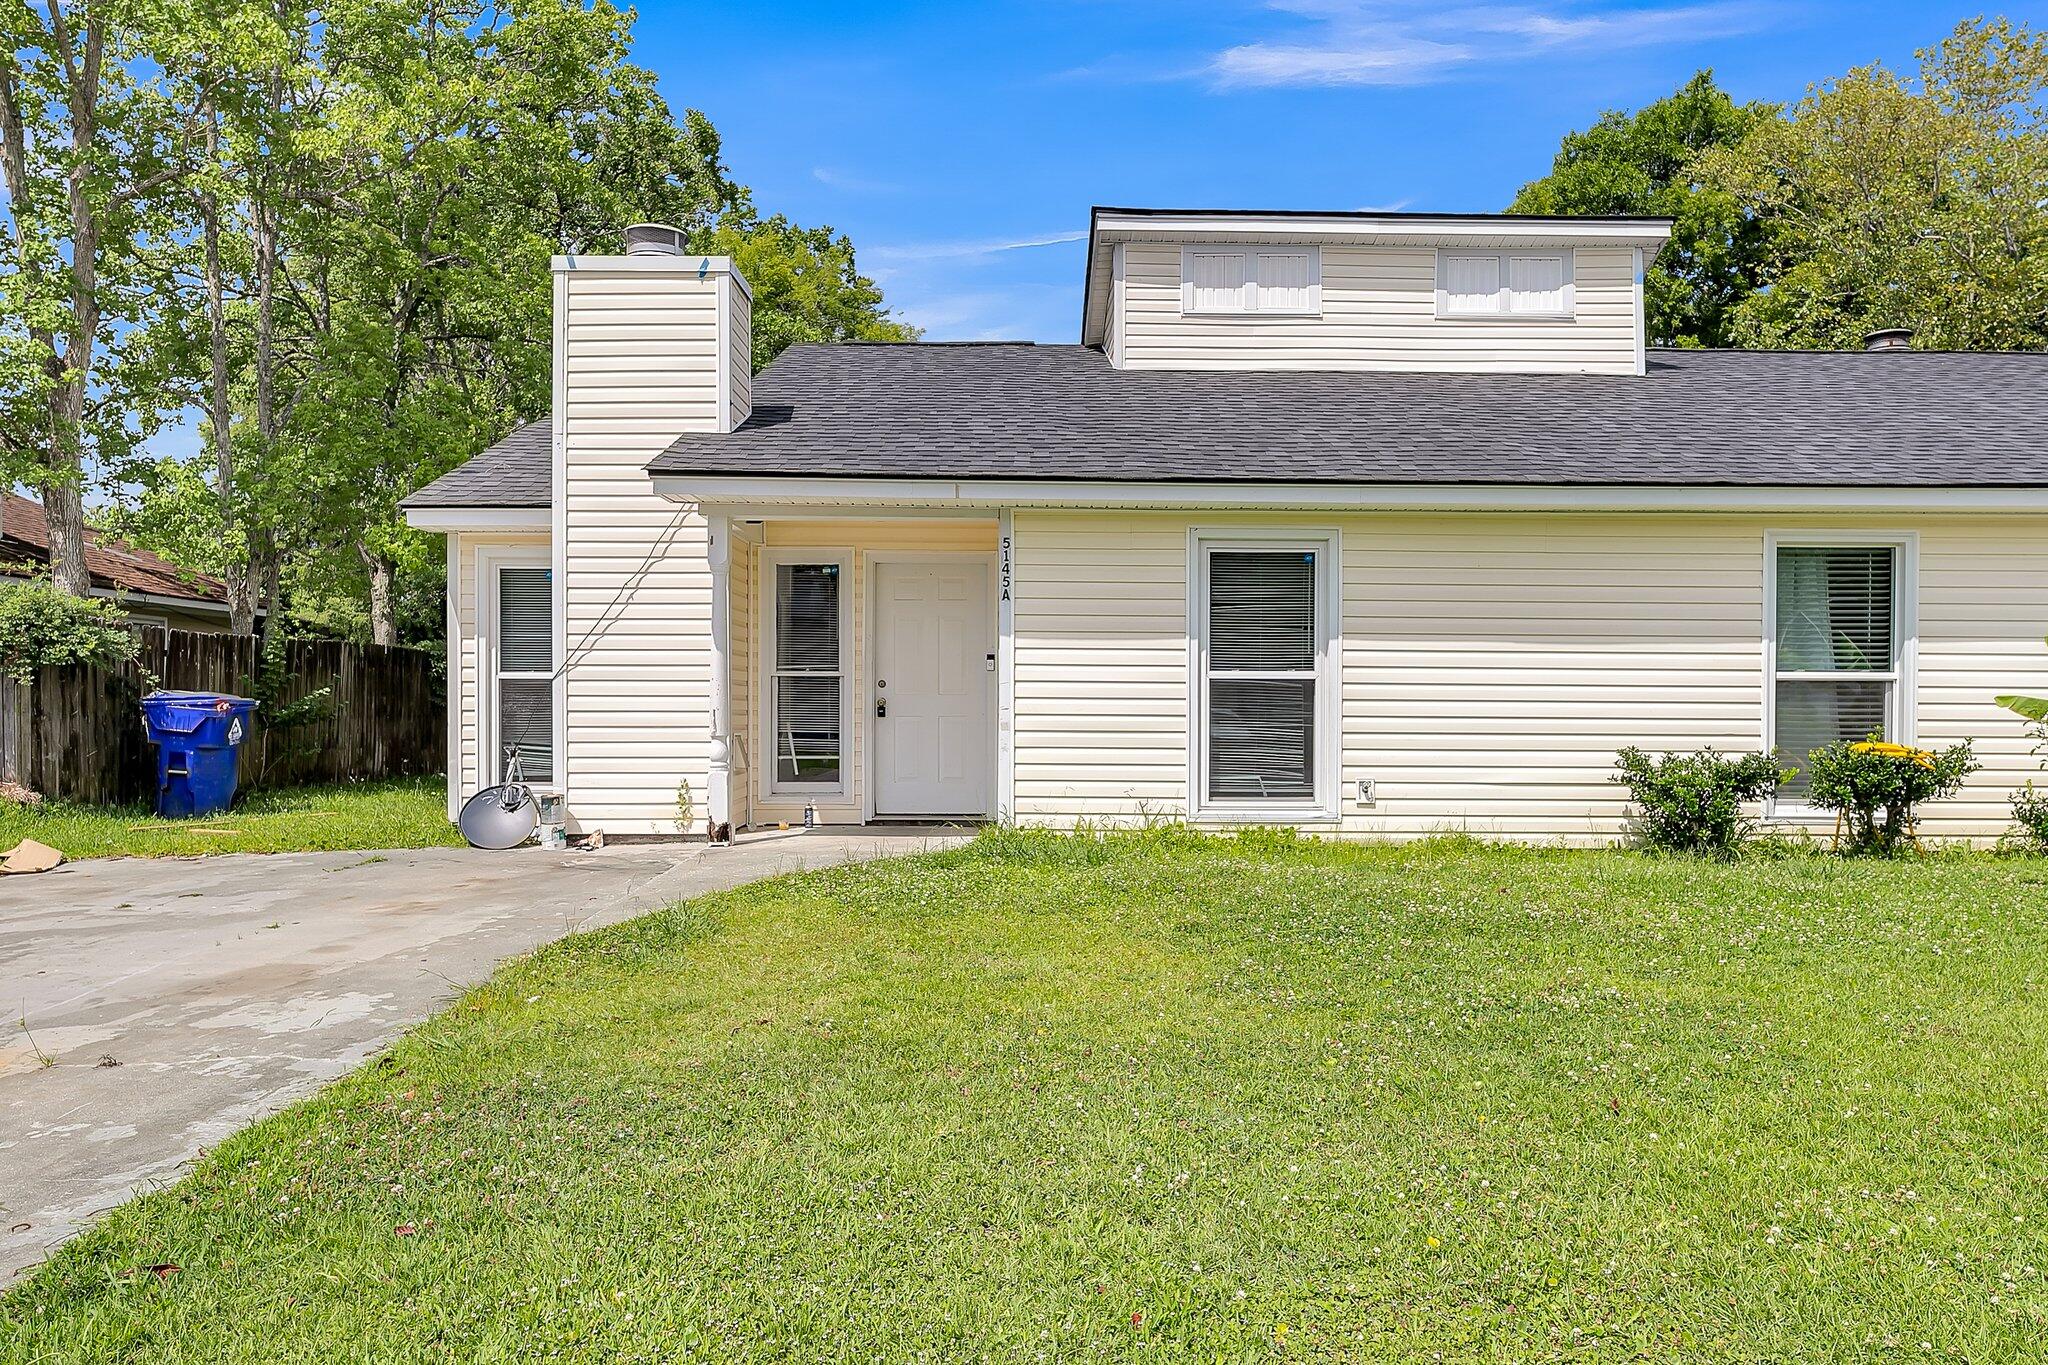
[(1899, 708), (1503, 312), (490, 758), (1329, 712), (771, 558), (1251, 253)]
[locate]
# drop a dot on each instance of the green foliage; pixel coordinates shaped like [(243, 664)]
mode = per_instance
[(806, 284), (2030, 817), (1897, 203), (42, 627), (1638, 164), (1692, 803), (1876, 787)]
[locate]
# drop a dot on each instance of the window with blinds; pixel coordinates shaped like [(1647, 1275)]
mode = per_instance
[(1261, 654), (1248, 279), (1504, 284), (1837, 655), (807, 690), (525, 668)]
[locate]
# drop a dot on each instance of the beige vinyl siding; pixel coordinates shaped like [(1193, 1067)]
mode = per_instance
[(1378, 313), (1492, 664), (739, 356), (861, 538), (640, 354), (465, 771)]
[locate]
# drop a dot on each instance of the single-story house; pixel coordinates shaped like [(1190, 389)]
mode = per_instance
[(150, 589), (1366, 523)]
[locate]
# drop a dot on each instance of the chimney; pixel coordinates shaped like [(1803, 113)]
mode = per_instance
[(653, 239), (1889, 339)]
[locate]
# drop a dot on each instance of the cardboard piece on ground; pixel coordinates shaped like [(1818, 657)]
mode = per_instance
[(30, 856)]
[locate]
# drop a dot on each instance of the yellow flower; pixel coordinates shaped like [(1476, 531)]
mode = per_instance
[(1890, 750)]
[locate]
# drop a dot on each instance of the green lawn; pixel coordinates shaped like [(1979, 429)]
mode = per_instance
[(1160, 1098), (407, 813)]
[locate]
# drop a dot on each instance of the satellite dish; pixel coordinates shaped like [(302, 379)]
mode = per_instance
[(499, 817)]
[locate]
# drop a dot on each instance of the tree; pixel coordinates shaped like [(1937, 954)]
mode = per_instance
[(89, 139), (807, 285), (1640, 164), (1902, 204)]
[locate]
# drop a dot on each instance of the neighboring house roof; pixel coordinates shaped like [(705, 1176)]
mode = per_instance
[(1019, 411), (115, 565), (516, 472)]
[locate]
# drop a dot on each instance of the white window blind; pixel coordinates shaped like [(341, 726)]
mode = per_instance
[(1261, 676), (1535, 284), (1283, 281), (1838, 656), (1218, 280), (808, 681), (1504, 284), (1472, 284), (525, 670), (1241, 279)]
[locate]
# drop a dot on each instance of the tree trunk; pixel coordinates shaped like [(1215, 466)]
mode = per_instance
[(64, 506), (383, 611)]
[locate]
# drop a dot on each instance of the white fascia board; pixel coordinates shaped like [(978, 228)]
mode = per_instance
[(653, 263), (1336, 228), (999, 493), (447, 519)]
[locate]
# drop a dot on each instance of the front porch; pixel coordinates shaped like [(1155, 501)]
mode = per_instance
[(853, 668)]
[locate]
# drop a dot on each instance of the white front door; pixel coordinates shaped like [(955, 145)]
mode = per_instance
[(932, 702)]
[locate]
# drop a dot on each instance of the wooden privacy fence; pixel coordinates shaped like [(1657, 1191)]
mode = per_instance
[(75, 733)]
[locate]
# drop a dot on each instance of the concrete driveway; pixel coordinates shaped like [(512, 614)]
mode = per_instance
[(179, 1000)]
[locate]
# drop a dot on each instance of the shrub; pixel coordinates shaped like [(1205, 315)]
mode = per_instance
[(42, 627), (1875, 787), (1692, 803), (2030, 814)]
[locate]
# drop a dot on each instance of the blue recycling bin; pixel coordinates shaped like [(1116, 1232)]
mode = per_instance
[(199, 740)]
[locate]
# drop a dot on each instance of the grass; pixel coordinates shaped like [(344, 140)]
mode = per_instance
[(1155, 1097), (406, 813)]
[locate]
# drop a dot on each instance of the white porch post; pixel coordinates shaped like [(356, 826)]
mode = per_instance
[(1006, 671), (718, 799)]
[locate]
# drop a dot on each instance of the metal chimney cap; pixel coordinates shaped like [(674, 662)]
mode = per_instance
[(653, 239), (1889, 339)]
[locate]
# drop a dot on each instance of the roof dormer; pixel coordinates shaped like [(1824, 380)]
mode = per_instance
[(1229, 289)]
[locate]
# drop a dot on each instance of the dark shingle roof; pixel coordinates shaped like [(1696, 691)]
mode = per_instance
[(1018, 411), (516, 472), (113, 564)]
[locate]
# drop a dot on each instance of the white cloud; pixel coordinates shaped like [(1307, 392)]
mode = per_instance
[(1411, 42), (851, 183), (930, 251)]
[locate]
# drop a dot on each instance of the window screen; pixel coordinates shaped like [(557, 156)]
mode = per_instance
[(525, 668), (1838, 665), (1261, 676), (807, 692)]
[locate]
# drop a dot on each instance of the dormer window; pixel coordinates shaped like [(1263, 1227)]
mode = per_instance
[(1493, 284), (1271, 280)]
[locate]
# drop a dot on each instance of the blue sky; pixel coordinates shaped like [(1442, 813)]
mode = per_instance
[(960, 145)]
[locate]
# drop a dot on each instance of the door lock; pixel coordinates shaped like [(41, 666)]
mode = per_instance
[(881, 708)]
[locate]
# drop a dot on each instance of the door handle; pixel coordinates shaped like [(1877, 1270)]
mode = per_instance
[(881, 708)]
